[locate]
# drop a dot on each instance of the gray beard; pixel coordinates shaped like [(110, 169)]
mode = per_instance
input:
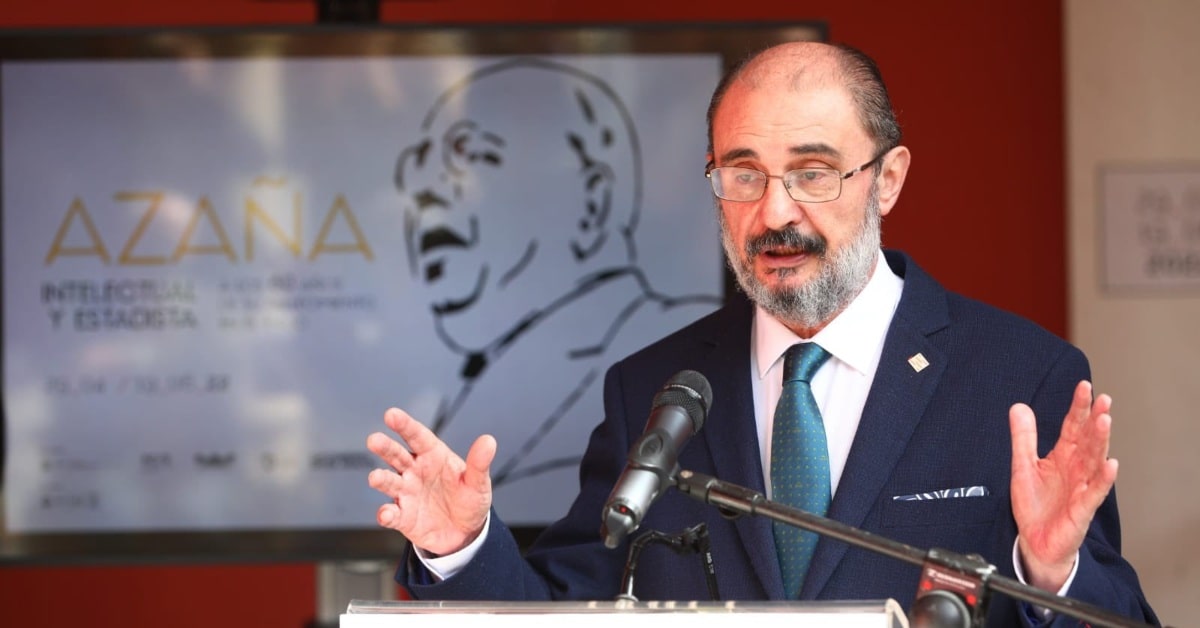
[(842, 274)]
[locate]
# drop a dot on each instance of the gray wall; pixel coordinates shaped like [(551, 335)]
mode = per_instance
[(1133, 97)]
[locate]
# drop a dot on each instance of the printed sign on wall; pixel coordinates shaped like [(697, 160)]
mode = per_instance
[(1151, 227)]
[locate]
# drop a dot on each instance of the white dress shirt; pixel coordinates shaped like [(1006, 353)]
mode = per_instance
[(854, 340)]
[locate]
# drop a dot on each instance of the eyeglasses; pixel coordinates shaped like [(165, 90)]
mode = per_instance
[(807, 185)]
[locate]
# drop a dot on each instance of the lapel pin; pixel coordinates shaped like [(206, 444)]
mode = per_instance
[(918, 362)]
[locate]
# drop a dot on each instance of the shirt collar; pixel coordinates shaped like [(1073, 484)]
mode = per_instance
[(853, 337)]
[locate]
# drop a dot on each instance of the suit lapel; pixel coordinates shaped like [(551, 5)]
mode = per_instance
[(899, 395), (732, 437)]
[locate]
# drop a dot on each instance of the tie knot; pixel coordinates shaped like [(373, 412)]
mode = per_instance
[(802, 360)]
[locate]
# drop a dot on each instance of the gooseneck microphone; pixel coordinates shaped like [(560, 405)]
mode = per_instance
[(677, 413)]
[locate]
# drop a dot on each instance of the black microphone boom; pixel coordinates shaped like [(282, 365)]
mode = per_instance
[(677, 413)]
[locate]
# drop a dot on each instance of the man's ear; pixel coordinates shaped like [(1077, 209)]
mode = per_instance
[(891, 177), (593, 227)]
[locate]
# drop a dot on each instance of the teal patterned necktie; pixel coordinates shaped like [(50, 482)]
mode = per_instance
[(799, 461)]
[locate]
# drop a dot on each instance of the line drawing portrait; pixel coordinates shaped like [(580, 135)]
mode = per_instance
[(521, 198)]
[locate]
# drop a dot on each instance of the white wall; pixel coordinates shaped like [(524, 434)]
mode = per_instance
[(1133, 97)]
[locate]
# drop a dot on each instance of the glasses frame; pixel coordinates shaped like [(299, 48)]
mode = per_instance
[(842, 176)]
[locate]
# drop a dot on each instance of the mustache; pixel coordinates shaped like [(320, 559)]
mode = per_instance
[(789, 238), (439, 237)]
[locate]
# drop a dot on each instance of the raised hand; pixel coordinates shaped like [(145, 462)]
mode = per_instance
[(438, 500), (1054, 498)]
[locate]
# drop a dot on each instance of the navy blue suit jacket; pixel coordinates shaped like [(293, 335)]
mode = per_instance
[(945, 426)]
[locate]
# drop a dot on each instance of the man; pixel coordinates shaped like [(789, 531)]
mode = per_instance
[(922, 387), (521, 201)]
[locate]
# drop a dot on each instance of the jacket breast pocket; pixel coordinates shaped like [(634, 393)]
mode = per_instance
[(953, 511)]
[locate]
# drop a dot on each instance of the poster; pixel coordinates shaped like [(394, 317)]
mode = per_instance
[(218, 273)]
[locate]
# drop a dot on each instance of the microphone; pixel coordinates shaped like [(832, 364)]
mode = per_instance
[(677, 413)]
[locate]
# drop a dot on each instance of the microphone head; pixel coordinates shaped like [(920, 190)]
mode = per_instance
[(689, 390)]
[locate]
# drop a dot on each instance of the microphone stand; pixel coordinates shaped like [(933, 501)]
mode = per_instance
[(967, 578), (692, 540)]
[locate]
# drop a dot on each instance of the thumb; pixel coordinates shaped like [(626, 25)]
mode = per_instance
[(479, 463)]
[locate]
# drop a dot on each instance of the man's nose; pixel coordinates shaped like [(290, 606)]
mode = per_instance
[(429, 198), (420, 175), (429, 187), (778, 208)]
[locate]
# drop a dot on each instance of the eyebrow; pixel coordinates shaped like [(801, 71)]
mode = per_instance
[(800, 150)]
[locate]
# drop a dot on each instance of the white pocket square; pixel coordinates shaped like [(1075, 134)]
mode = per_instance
[(946, 493)]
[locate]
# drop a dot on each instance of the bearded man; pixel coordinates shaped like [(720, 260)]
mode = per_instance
[(938, 419)]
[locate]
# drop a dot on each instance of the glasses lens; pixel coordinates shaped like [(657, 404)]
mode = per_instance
[(813, 184), (737, 184)]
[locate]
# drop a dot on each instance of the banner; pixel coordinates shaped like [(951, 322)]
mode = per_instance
[(218, 274)]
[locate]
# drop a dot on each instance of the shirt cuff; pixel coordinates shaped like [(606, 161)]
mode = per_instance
[(443, 567), (1045, 613)]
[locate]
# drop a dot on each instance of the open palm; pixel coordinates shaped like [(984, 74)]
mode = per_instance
[(1054, 498), (438, 500)]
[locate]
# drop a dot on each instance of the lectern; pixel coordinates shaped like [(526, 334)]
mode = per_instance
[(626, 614)]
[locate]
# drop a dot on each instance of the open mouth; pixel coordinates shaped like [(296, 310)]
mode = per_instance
[(433, 270), (788, 251), (442, 239), (785, 248)]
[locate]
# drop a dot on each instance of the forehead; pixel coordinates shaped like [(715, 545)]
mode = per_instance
[(764, 119), (504, 99)]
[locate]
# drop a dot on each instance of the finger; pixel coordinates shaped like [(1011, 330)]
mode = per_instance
[(1080, 411), (386, 482), (419, 438), (388, 516), (383, 481), (1023, 426), (1092, 494), (1081, 404), (479, 462), (1097, 431), (1102, 405), (1084, 439), (392, 452), (1093, 444)]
